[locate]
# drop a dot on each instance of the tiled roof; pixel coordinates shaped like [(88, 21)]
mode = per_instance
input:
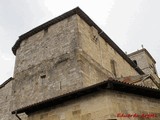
[(109, 84)]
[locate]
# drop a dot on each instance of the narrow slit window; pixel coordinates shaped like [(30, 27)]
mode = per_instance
[(113, 67)]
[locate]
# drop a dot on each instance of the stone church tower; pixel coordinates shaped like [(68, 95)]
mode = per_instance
[(143, 59), (69, 69), (65, 54)]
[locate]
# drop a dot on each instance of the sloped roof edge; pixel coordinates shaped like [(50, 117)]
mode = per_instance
[(6, 82), (86, 18), (110, 84), (76, 10), (141, 50)]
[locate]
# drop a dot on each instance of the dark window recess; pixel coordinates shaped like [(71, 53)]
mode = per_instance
[(135, 62), (113, 67), (43, 76)]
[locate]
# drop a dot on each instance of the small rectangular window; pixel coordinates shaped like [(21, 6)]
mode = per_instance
[(113, 67)]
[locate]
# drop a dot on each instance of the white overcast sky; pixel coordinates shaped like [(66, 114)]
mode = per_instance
[(129, 23)]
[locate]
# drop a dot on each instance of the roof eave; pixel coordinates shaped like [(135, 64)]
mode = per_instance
[(110, 84)]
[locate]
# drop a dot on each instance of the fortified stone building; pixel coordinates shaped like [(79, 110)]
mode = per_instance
[(69, 69)]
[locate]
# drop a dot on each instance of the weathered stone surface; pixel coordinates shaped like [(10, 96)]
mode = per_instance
[(46, 64), (100, 51), (5, 99), (64, 57), (104, 105), (146, 63), (5, 103), (67, 56)]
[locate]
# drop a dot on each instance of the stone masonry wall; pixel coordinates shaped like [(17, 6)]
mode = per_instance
[(5, 99), (65, 57), (146, 64), (142, 61), (101, 52), (5, 103), (50, 43), (46, 64), (104, 105)]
